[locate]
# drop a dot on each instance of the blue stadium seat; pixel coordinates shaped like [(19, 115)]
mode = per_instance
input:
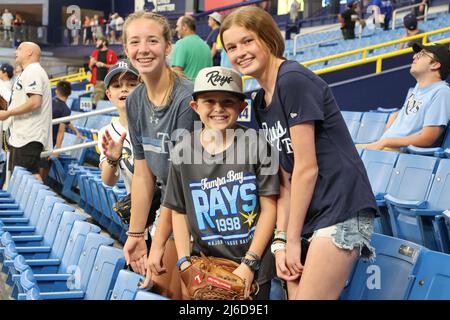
[(352, 120), (414, 176), (145, 295), (430, 277), (72, 273), (108, 262), (379, 166), (72, 252), (371, 127), (387, 278), (126, 286)]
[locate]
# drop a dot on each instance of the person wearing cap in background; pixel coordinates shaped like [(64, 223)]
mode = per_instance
[(191, 53), (426, 111), (240, 230), (6, 74), (348, 19), (410, 23), (214, 20), (116, 152), (102, 59)]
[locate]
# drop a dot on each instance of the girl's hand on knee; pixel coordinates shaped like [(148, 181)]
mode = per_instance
[(282, 270), (293, 254)]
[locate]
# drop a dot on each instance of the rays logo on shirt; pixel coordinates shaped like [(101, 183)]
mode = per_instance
[(226, 208), (32, 85), (412, 105), (278, 136)]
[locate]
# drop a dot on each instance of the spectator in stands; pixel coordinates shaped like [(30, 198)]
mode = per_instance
[(87, 31), (30, 111), (18, 29), (116, 152), (293, 25), (300, 117), (410, 23), (191, 53), (426, 111), (118, 27), (59, 110), (419, 11), (348, 20), (155, 110), (6, 75), (102, 58), (385, 12), (7, 19), (75, 30), (213, 99), (214, 20)]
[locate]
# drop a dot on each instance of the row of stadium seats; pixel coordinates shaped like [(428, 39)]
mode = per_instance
[(368, 38), (65, 257), (49, 251), (401, 270), (368, 127)]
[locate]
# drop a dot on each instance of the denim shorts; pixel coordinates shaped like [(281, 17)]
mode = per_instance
[(354, 233)]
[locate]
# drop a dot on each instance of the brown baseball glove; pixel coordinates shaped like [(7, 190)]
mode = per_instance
[(3, 104), (210, 278)]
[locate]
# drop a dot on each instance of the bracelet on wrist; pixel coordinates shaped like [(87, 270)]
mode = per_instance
[(276, 246), (135, 234), (279, 240), (253, 255), (278, 234), (182, 260), (113, 163)]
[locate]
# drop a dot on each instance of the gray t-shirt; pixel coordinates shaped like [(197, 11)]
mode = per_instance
[(220, 195), (152, 128)]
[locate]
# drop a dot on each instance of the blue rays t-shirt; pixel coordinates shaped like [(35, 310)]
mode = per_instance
[(220, 194), (429, 106)]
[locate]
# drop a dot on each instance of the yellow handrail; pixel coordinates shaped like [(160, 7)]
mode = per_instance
[(80, 76), (364, 51), (378, 59)]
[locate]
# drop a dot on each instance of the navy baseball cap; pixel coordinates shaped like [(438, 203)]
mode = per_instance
[(121, 66), (9, 69), (440, 51), (410, 21)]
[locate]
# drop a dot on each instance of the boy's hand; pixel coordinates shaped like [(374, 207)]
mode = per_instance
[(244, 272), (112, 149)]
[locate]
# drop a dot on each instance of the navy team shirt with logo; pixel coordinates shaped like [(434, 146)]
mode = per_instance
[(342, 188), (221, 197)]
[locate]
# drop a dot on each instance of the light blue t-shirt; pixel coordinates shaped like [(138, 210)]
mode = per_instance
[(429, 106)]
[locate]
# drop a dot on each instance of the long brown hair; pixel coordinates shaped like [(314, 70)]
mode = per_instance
[(258, 21)]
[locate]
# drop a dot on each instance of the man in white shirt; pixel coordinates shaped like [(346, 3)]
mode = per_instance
[(30, 111), (7, 19)]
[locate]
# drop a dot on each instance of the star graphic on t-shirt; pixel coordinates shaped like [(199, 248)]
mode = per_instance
[(250, 217)]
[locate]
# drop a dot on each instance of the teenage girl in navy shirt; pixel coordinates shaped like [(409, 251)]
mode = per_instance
[(325, 194)]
